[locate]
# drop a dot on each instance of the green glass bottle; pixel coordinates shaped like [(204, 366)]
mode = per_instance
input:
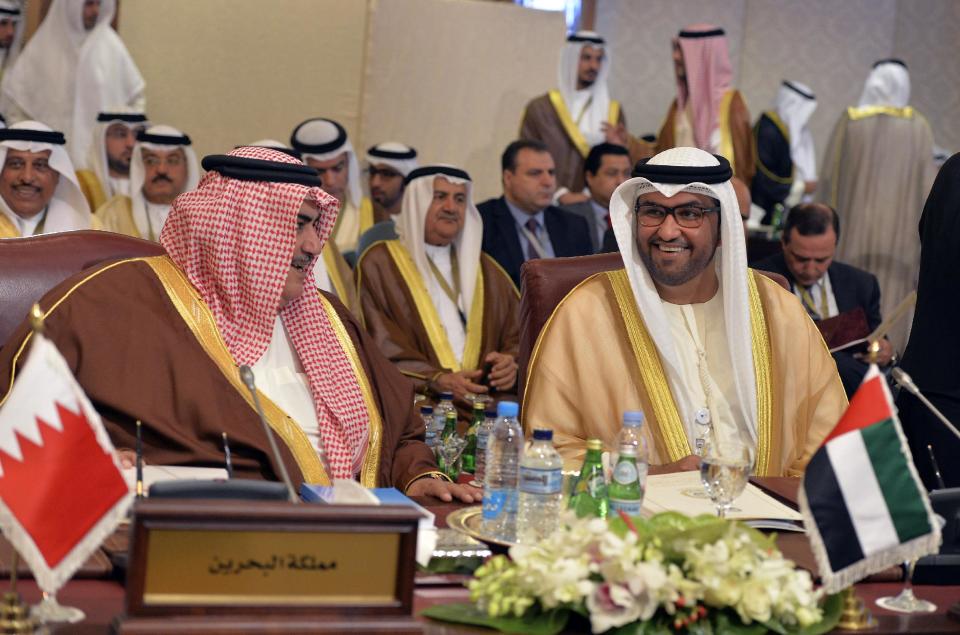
[(589, 496), (469, 458), (450, 467)]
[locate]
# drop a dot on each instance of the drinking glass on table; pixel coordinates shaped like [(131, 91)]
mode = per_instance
[(449, 450), (724, 469)]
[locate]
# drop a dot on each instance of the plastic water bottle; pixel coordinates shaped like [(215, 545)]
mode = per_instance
[(444, 405), (541, 484), (483, 433), (630, 434), (629, 477), (504, 448), (426, 413)]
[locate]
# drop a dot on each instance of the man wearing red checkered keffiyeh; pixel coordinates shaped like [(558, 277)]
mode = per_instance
[(160, 339)]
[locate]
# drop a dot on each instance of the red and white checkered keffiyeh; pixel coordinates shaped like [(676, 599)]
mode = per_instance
[(235, 240)]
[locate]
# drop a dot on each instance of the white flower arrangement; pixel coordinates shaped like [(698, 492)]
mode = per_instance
[(678, 573)]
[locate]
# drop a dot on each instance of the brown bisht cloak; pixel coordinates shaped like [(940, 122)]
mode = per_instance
[(547, 120), (143, 345), (736, 134), (393, 298)]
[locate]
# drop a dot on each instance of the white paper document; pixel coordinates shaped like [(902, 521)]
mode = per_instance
[(683, 492)]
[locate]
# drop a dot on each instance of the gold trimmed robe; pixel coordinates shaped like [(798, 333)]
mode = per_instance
[(396, 310), (736, 134), (143, 345), (586, 370), (543, 121)]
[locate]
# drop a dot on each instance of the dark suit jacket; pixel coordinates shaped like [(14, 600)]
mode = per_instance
[(585, 211), (569, 235), (852, 287)]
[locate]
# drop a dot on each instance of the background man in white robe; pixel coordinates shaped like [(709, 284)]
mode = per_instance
[(73, 67)]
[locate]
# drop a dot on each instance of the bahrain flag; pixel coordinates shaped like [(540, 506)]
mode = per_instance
[(61, 489)]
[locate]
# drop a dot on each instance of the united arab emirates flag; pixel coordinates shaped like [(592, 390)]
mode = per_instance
[(863, 504)]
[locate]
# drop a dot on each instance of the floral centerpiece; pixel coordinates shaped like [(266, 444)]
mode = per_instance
[(666, 574)]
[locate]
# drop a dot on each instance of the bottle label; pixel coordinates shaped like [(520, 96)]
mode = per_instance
[(534, 480), (628, 507), (495, 502), (625, 473)]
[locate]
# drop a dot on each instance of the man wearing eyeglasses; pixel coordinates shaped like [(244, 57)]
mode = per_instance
[(162, 167), (708, 349)]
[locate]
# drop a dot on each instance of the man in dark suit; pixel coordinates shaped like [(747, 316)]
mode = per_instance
[(522, 224), (607, 166), (827, 288)]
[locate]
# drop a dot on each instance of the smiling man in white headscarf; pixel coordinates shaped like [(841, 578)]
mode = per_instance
[(73, 67), (325, 146), (444, 312), (786, 157), (39, 193), (106, 172), (707, 348), (578, 114), (162, 167), (877, 171)]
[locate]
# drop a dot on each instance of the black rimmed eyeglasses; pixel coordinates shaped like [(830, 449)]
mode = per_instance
[(687, 216)]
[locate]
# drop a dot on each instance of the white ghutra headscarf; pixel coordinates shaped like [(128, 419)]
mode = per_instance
[(795, 104), (887, 85), (593, 102), (68, 209)]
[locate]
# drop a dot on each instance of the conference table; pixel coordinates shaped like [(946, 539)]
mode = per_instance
[(103, 599)]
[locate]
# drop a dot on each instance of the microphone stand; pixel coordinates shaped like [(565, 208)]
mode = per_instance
[(246, 375)]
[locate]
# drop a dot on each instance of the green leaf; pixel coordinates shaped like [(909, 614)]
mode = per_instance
[(548, 623), (727, 622)]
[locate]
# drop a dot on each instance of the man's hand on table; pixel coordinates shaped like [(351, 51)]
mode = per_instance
[(686, 464), (445, 490)]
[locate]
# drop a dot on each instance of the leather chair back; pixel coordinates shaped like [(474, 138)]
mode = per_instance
[(30, 267), (545, 282)]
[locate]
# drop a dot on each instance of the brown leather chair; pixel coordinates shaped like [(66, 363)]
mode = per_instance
[(29, 267), (545, 282)]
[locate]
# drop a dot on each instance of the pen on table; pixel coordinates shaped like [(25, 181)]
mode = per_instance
[(139, 462), (936, 467), (226, 452)]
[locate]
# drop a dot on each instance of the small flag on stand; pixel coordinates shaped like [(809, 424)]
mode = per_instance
[(61, 489), (863, 504)]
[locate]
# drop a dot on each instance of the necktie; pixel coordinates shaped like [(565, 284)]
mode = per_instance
[(533, 226)]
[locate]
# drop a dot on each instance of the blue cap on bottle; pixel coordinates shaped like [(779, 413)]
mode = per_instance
[(426, 409), (444, 396), (633, 418), (508, 409), (543, 435)]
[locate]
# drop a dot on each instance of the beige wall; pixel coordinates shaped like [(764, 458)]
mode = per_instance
[(828, 44), (229, 72), (452, 77)]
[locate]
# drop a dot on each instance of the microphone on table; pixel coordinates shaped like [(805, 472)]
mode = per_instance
[(906, 382), (228, 459), (246, 375)]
